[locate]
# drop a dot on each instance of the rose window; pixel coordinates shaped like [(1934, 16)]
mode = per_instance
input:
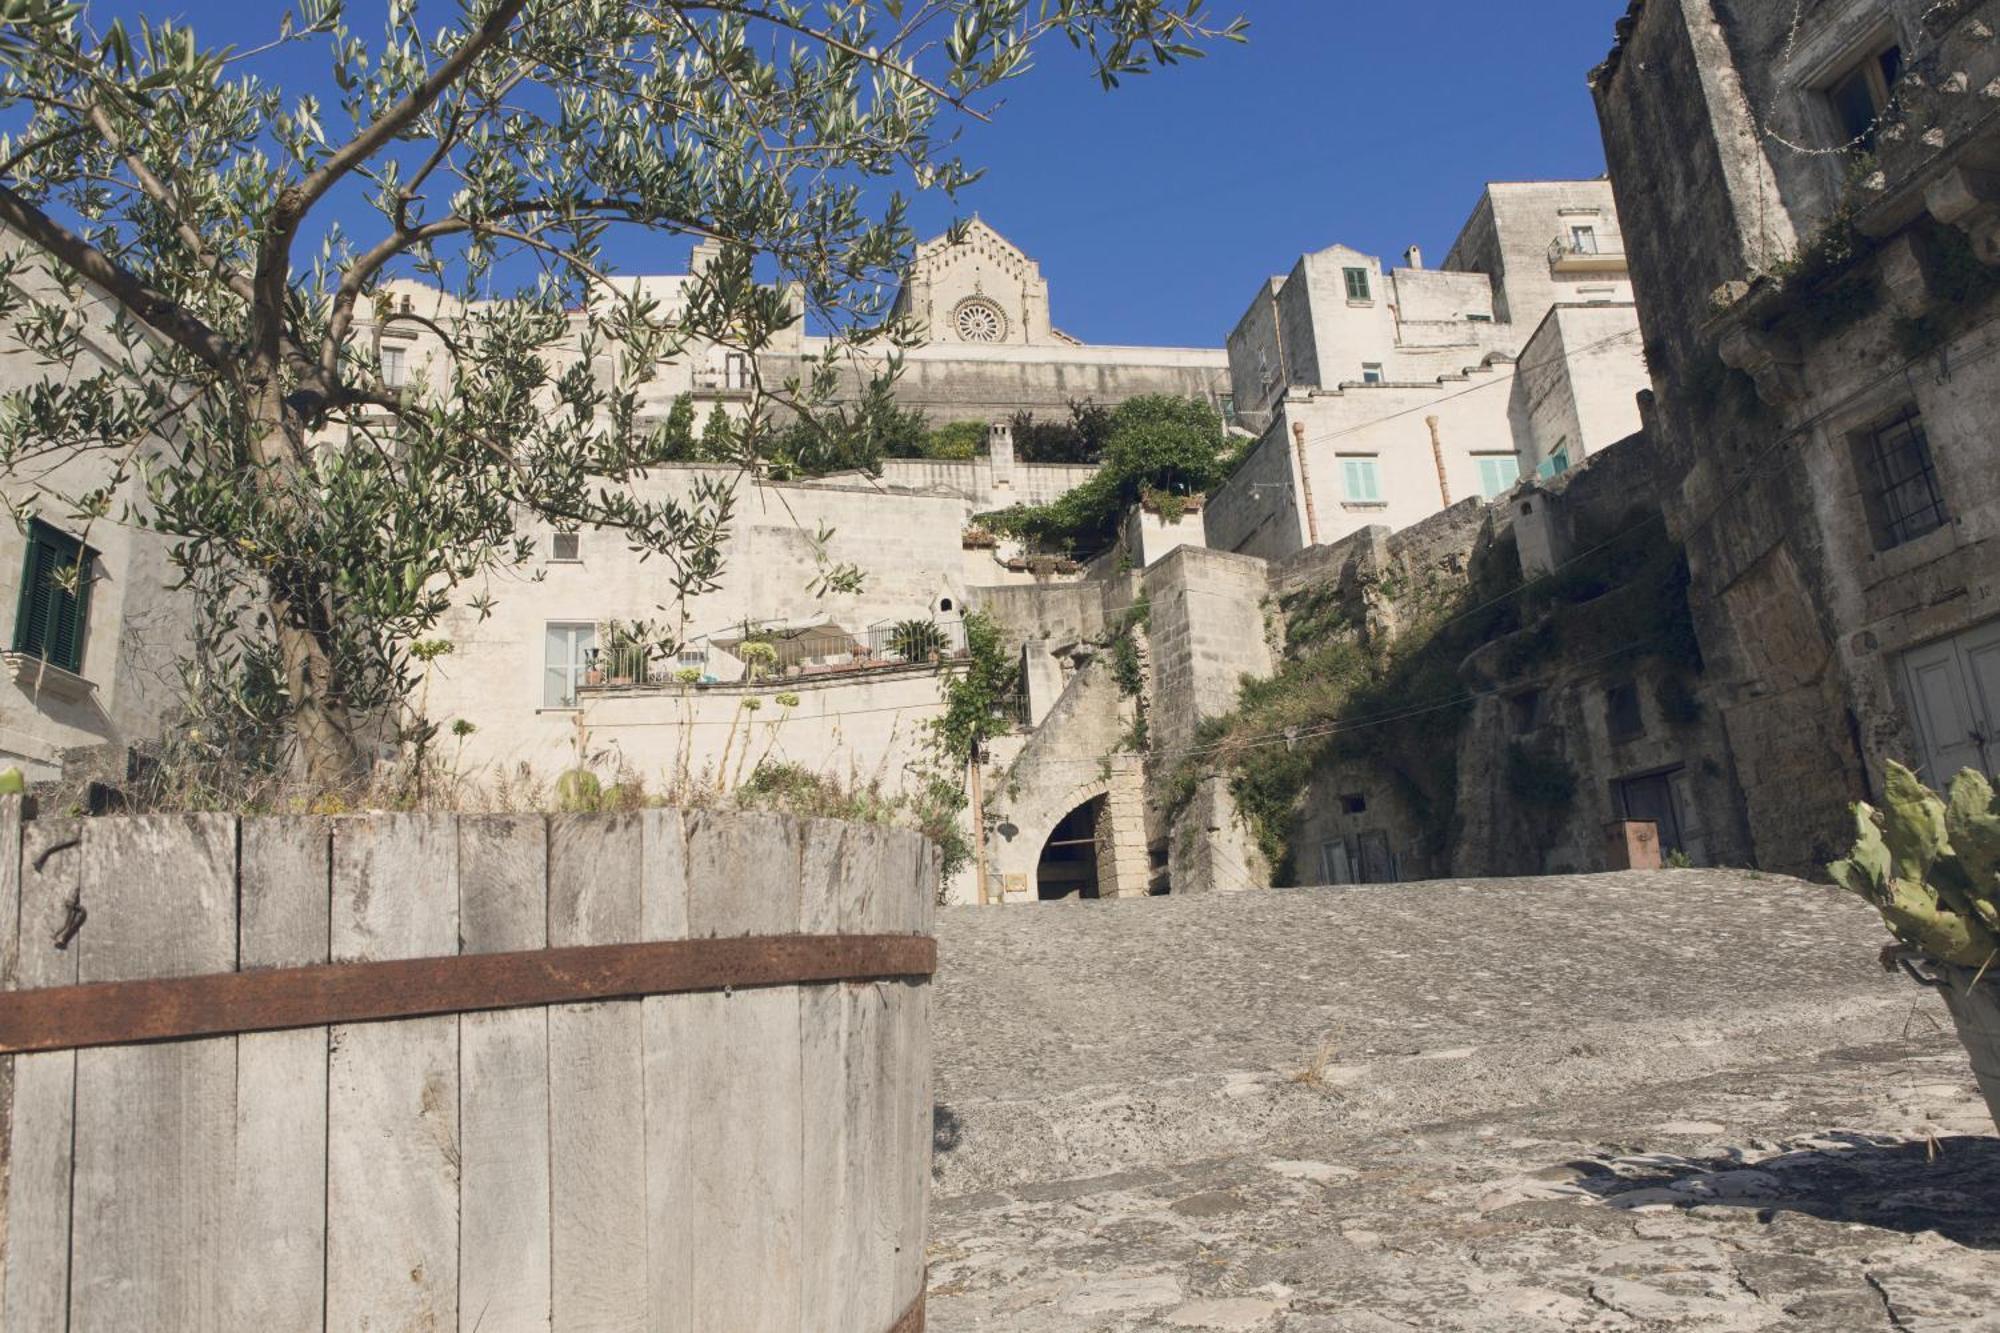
[(980, 322)]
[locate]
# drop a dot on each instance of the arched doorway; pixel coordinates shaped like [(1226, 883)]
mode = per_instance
[(1068, 868)]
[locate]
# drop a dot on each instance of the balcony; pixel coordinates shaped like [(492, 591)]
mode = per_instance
[(1567, 255)]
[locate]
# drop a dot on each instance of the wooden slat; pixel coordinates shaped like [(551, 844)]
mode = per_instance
[(392, 1117), (42, 1133), (276, 1278), (155, 1125), (744, 1057), (10, 923), (845, 1278), (597, 1107), (911, 1164), (504, 1217), (670, 1097), (912, 863)]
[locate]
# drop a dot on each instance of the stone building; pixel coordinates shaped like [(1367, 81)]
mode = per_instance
[(1385, 394), (1811, 210), (987, 348)]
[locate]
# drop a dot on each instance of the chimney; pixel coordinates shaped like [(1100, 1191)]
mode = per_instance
[(1000, 453), (1413, 257)]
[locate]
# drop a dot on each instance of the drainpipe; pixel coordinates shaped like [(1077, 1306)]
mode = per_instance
[(1437, 452), (1306, 483)]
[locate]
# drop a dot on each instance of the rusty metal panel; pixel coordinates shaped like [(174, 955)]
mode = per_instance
[(119, 1013)]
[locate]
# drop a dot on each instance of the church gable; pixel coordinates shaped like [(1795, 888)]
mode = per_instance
[(982, 290)]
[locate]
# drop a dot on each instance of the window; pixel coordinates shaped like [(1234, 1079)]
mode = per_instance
[(1358, 288), (1556, 463), (736, 371), (1498, 473), (1480, 319), (1361, 480), (1899, 483), (568, 651), (1371, 372), (567, 546), (54, 612), (1354, 804), (1621, 712), (395, 367), (1862, 95), (1229, 409), (1583, 240)]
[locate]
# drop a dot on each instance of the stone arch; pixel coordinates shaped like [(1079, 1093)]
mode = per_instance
[(1025, 832)]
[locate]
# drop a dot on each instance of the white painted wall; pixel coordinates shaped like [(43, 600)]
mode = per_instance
[(136, 630)]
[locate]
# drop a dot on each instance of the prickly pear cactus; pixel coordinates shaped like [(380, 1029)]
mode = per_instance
[(1930, 867), (579, 792)]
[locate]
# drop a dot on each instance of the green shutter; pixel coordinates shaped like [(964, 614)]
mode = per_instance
[(51, 620)]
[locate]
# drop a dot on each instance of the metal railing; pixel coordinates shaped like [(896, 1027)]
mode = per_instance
[(753, 653), (1565, 249)]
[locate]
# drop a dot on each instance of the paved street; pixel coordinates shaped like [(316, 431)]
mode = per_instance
[(1680, 1100)]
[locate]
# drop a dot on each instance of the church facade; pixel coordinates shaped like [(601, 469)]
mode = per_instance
[(990, 348)]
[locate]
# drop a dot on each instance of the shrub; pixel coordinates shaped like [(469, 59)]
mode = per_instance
[(916, 640), (1174, 447)]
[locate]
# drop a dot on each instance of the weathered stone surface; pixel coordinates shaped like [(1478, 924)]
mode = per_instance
[(1802, 1130)]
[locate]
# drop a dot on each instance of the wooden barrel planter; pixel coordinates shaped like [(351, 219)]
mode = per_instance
[(655, 1071)]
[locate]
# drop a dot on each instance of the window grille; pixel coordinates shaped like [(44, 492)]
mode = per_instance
[(1908, 502)]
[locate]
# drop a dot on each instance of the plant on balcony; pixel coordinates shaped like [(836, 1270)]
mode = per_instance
[(916, 640), (758, 657)]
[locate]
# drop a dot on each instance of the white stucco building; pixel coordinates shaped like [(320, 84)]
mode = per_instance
[(1385, 394), (89, 661)]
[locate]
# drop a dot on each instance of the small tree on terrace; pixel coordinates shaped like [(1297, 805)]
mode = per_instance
[(241, 235)]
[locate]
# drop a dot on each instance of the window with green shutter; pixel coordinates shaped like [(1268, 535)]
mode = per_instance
[(55, 598), (1358, 286), (1497, 474), (1360, 482)]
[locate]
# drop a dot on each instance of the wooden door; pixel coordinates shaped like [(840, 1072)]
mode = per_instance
[(1954, 691)]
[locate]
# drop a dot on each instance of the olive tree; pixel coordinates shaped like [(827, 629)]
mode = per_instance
[(240, 234)]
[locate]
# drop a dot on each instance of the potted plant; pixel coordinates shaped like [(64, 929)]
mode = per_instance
[(593, 674), (916, 640), (1931, 866), (758, 658)]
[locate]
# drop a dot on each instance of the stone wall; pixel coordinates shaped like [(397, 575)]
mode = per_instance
[(495, 676), (1072, 758), (1210, 850), (1207, 632), (975, 382), (1260, 510)]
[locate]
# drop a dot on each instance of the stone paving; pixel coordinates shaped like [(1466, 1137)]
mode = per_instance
[(1687, 1100)]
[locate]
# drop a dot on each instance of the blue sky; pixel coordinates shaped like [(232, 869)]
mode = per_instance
[(1155, 210)]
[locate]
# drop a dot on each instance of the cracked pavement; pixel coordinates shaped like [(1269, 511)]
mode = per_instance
[(1684, 1100)]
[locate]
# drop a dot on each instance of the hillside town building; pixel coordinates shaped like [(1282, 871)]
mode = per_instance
[(1812, 217), (1385, 394)]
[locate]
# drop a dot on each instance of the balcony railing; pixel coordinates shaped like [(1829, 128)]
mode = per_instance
[(1569, 255)]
